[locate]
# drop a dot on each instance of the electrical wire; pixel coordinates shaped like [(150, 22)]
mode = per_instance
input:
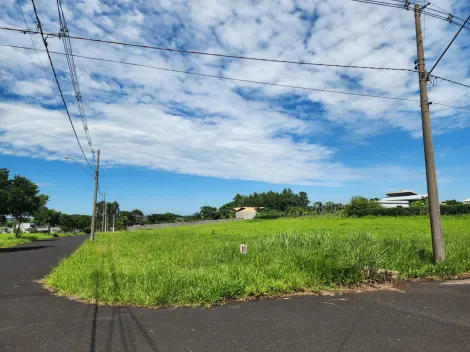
[(73, 73), (429, 11), (451, 81), (84, 168), (219, 55), (34, 46), (245, 80), (448, 46), (57, 81)]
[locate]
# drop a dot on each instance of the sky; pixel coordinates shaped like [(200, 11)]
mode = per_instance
[(174, 142)]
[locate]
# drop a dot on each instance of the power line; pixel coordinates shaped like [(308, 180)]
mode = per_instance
[(188, 72), (245, 80), (429, 11), (64, 31), (217, 55), (448, 46), (34, 46), (57, 81), (451, 81)]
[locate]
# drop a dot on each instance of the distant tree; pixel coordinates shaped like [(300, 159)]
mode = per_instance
[(273, 200), (162, 218), (303, 200), (421, 204), (130, 220), (226, 211), (138, 216), (359, 203), (121, 223), (70, 223), (452, 202), (317, 207), (48, 217), (137, 212), (4, 186), (24, 200), (209, 213)]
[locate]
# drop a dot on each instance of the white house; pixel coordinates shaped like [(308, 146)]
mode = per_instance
[(400, 199), (467, 201), (246, 213), (26, 226)]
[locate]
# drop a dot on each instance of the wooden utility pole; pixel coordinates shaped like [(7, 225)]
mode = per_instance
[(104, 211), (433, 197), (93, 216)]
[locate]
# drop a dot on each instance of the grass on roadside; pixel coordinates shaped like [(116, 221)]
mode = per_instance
[(202, 265), (9, 240)]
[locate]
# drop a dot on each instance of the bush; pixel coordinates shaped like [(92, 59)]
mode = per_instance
[(359, 205), (455, 209), (445, 210), (269, 214)]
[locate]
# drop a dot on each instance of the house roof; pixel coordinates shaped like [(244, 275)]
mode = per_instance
[(467, 200), (404, 198), (248, 208), (401, 192)]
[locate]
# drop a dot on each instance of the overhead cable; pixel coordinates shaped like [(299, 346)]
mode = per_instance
[(34, 46), (248, 81), (64, 35), (57, 81), (448, 46), (215, 54), (188, 72)]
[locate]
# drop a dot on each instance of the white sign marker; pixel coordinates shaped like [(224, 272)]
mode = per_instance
[(243, 248)]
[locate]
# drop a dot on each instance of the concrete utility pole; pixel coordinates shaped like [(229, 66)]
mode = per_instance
[(104, 212), (433, 197), (93, 216), (114, 218)]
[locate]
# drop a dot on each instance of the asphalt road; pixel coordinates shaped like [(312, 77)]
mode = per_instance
[(426, 317)]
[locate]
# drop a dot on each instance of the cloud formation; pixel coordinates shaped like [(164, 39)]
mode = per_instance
[(209, 127)]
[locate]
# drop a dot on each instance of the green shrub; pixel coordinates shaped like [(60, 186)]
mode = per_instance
[(445, 210), (267, 214)]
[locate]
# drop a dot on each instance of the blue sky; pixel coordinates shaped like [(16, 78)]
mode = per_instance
[(172, 142)]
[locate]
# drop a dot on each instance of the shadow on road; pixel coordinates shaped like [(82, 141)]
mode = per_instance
[(124, 327), (21, 249)]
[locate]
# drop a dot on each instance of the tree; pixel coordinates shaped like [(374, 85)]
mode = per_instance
[(317, 207), (4, 186), (130, 220), (273, 200), (24, 199), (226, 211), (452, 202), (112, 210), (138, 216), (70, 223), (209, 213), (121, 223), (48, 217), (359, 203), (421, 204)]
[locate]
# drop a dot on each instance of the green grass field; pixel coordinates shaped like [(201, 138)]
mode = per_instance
[(9, 240), (202, 265)]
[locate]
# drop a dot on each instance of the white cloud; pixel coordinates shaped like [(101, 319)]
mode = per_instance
[(209, 127)]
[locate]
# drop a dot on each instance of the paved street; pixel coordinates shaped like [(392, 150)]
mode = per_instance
[(427, 317)]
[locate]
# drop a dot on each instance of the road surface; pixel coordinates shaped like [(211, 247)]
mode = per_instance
[(427, 317)]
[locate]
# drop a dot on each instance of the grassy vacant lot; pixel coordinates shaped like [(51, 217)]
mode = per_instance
[(202, 265), (9, 240)]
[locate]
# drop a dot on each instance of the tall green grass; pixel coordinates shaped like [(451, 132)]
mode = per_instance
[(9, 240), (202, 264)]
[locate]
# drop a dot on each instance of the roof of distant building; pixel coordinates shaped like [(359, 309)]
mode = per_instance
[(404, 198), (248, 208), (401, 192)]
